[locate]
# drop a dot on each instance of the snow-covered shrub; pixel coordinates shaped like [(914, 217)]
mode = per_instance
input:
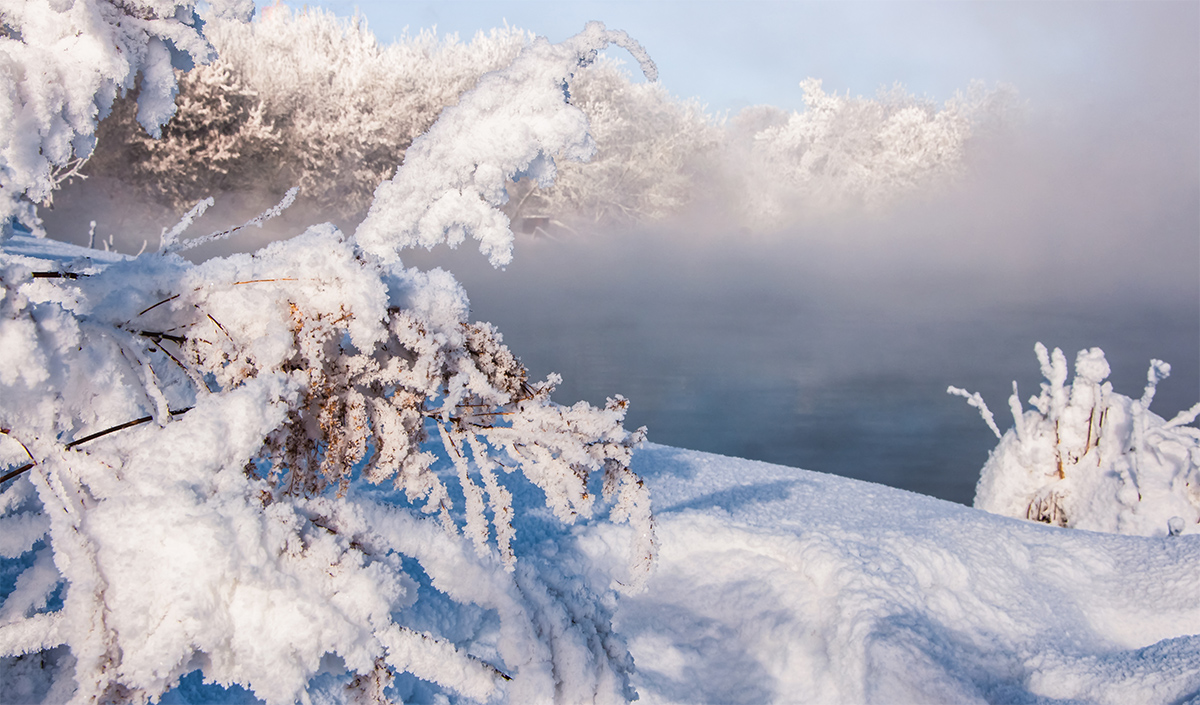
[(62, 63), (842, 150), (1089, 458), (299, 99), (193, 448)]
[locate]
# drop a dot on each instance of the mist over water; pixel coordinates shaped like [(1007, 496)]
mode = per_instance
[(829, 345), (770, 355)]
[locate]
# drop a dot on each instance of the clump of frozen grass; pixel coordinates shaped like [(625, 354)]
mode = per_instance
[(1087, 457), (190, 447)]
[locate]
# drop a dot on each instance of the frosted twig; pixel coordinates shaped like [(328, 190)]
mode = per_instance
[(1184, 417), (288, 199), (170, 238), (976, 400), (1158, 371), (620, 38), (1014, 405), (78, 442)]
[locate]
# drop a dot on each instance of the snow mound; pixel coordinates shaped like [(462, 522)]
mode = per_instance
[(783, 585)]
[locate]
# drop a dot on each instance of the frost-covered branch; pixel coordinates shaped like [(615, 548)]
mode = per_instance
[(515, 122)]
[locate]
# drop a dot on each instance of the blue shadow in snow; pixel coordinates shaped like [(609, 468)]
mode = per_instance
[(734, 498)]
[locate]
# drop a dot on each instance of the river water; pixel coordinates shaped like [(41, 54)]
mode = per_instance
[(792, 355)]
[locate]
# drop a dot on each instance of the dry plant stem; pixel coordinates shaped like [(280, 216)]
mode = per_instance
[(55, 275), (99, 434)]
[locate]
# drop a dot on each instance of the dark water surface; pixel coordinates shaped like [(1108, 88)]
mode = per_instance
[(790, 356)]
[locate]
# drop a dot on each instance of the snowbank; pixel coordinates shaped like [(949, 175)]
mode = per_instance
[(783, 585), (779, 585)]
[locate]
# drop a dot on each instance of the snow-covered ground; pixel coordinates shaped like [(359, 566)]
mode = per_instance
[(782, 585)]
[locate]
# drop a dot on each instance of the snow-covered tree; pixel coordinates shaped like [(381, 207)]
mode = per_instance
[(299, 99), (194, 449), (220, 140), (63, 62), (844, 151), (1089, 458), (650, 149), (303, 98)]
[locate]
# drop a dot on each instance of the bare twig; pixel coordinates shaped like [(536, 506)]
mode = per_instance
[(160, 303), (122, 427), (219, 325), (260, 281), (55, 275), (99, 434)]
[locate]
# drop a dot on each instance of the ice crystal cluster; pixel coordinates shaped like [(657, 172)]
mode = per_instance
[(192, 450), (1087, 457)]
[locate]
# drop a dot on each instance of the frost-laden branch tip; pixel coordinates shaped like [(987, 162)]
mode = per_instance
[(976, 400), (1087, 457), (514, 123)]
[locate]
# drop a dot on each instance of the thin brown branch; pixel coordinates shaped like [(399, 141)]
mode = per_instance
[(160, 303), (8, 476), (260, 281), (159, 336), (55, 275), (227, 335), (99, 434), (122, 427)]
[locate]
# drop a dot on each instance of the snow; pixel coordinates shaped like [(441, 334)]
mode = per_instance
[(781, 585), (775, 584)]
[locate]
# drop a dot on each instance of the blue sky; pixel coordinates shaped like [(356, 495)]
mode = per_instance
[(730, 54)]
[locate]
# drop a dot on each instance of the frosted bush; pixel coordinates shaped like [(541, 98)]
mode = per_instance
[(192, 448), (1087, 457)]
